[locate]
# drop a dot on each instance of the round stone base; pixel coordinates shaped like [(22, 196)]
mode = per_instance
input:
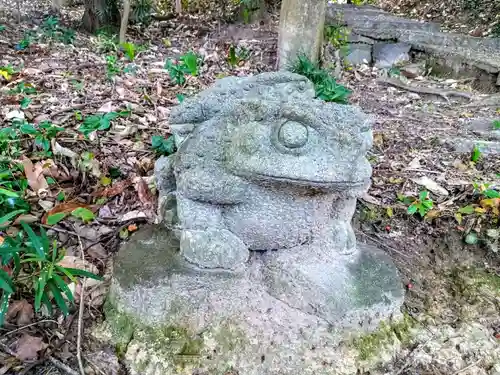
[(171, 318)]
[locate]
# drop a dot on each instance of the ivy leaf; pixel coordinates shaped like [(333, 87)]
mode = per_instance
[(54, 219), (25, 102), (83, 213), (412, 209)]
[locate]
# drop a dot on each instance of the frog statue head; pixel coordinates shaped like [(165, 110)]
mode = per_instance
[(269, 130)]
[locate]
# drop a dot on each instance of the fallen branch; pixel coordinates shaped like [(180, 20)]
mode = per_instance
[(445, 94), (61, 366)]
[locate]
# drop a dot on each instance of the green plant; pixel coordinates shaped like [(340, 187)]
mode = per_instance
[(129, 49), (236, 55), (338, 36), (112, 67), (13, 186), (7, 71), (476, 154), (100, 121), (142, 12), (189, 63), (28, 38), (32, 262), (325, 85), (2, 28), (43, 133), (163, 146), (485, 190), (496, 124), (23, 88), (422, 205)]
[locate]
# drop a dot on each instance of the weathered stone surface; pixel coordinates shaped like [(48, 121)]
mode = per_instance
[(465, 145), (457, 54), (386, 55), (177, 319), (359, 53), (256, 265)]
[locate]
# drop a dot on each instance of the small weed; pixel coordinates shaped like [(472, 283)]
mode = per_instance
[(189, 63), (52, 30), (2, 28), (77, 85), (43, 133), (237, 55), (101, 121), (7, 72), (496, 124), (163, 146), (476, 154), (28, 38), (130, 50), (326, 86), (23, 88), (338, 36), (422, 205), (112, 67), (31, 261)]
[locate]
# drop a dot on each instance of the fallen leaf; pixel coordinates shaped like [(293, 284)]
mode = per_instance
[(97, 251), (132, 228), (136, 214), (34, 174), (107, 107), (111, 191), (22, 311), (15, 114), (431, 185), (369, 199), (27, 347), (66, 208), (144, 193), (57, 149), (71, 261)]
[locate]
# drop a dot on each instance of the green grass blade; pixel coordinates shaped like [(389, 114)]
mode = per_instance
[(40, 288), (56, 293), (82, 273), (4, 306), (5, 218), (6, 282), (36, 241), (67, 273), (9, 193), (63, 286)]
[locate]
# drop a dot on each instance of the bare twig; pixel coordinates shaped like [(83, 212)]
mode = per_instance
[(29, 325), (61, 366), (445, 94), (74, 107)]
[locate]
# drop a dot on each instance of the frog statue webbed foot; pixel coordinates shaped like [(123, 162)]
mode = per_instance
[(206, 243)]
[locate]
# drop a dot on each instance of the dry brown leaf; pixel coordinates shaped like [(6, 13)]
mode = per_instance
[(34, 174), (145, 195), (111, 191), (28, 346), (97, 251), (66, 207), (71, 261), (22, 311)]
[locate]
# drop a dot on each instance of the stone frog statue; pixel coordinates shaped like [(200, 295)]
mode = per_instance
[(262, 165)]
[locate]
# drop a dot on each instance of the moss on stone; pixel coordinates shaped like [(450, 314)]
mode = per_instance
[(175, 347), (369, 345)]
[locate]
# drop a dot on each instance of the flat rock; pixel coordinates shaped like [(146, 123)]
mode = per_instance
[(465, 145), (456, 54), (203, 320)]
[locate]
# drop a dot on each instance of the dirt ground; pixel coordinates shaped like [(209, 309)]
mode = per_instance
[(449, 283)]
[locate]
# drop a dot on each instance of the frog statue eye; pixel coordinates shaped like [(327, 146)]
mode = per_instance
[(293, 134)]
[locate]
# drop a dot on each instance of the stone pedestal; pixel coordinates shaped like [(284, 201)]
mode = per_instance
[(176, 319)]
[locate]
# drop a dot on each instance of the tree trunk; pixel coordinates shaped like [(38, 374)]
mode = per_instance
[(124, 23), (99, 13), (301, 30)]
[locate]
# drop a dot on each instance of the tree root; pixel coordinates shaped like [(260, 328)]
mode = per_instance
[(445, 94)]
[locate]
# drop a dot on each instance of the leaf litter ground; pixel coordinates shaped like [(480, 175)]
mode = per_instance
[(108, 176)]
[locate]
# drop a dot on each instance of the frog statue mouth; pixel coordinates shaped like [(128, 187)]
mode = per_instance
[(312, 183)]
